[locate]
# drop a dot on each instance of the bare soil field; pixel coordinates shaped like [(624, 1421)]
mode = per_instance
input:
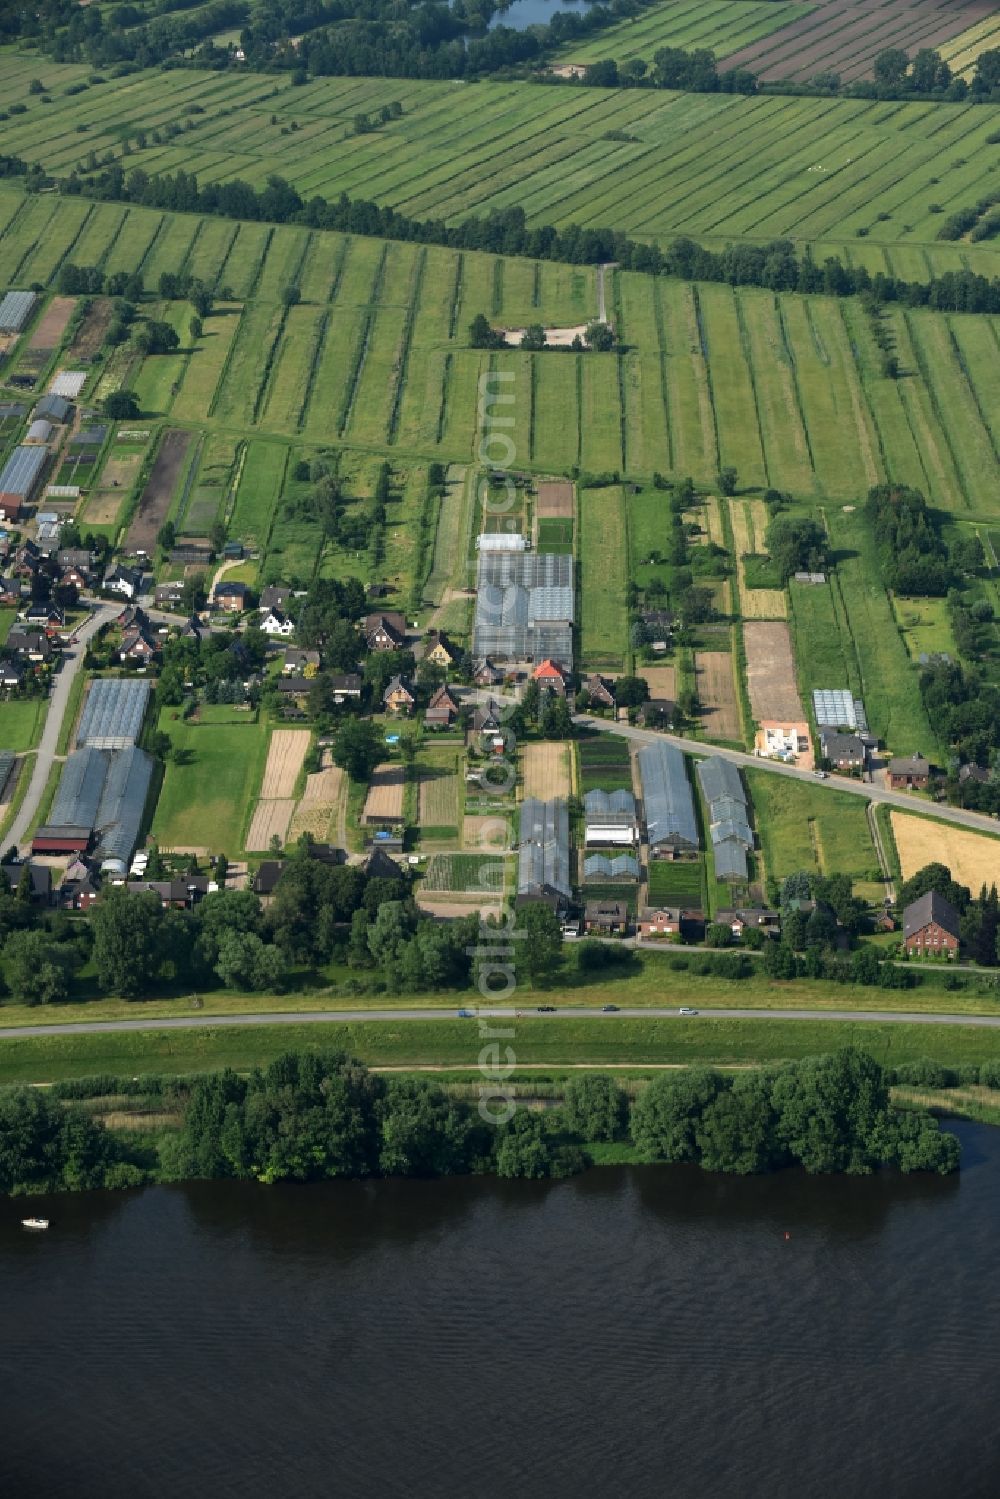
[(285, 755), (270, 819), (384, 802), (662, 681), (120, 472), (545, 769), (555, 500), (90, 334), (456, 904), (53, 323), (846, 36), (720, 714), (103, 507), (484, 833), (973, 858), (154, 502), (771, 672)]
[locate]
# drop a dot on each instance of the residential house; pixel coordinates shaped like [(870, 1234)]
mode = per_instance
[(72, 577), (231, 596), (45, 617), (27, 560), (137, 646), (176, 894), (12, 674), (132, 616), (782, 739), (168, 595), (657, 713), (398, 697), (384, 632), (125, 581), (79, 559), (273, 622), (976, 774), (486, 674), (379, 865), (844, 751), (608, 918), (275, 596), (486, 733), (551, 677), (265, 880), (34, 644), (346, 686), (670, 921), (192, 629), (439, 649), (600, 691), (297, 662), (39, 876), (757, 918), (930, 926), (441, 710), (80, 886), (911, 773)]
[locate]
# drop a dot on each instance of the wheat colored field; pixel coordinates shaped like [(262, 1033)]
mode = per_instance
[(285, 755), (270, 819), (771, 680), (546, 770), (973, 858), (720, 714), (320, 801), (385, 793)]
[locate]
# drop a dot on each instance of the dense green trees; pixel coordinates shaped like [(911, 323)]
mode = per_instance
[(828, 1113), (46, 1147), (797, 543), (594, 1107), (357, 748)]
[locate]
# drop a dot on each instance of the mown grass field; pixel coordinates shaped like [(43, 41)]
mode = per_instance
[(21, 722), (811, 828), (205, 799), (601, 1040), (602, 547)]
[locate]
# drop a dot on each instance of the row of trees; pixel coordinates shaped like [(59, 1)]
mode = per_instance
[(777, 265), (310, 1117)]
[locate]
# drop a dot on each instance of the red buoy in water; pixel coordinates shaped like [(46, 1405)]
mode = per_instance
[(787, 1236)]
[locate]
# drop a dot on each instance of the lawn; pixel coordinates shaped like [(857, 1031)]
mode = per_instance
[(676, 882), (21, 722), (812, 828), (206, 798)]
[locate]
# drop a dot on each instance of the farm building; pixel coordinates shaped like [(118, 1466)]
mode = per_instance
[(54, 408), (39, 432), (68, 384), (931, 925), (524, 607), (610, 819), (101, 799), (671, 826), (15, 310), (113, 713), (543, 853), (729, 826), (601, 869), (19, 479)]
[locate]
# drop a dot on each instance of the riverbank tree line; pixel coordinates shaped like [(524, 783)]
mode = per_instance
[(311, 1117)]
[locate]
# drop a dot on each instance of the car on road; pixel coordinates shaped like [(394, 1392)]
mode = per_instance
[(820, 774), (466, 1014), (609, 1009), (686, 1010), (546, 1009)]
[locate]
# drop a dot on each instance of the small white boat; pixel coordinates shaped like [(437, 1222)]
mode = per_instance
[(34, 1223)]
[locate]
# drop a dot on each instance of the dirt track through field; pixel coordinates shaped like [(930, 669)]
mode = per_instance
[(720, 714), (546, 770), (270, 820), (285, 755), (154, 502), (771, 672)]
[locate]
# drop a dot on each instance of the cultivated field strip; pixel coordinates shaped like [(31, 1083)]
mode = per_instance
[(718, 24), (704, 164)]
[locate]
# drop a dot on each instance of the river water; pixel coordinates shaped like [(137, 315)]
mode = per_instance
[(630, 1332), (524, 13)]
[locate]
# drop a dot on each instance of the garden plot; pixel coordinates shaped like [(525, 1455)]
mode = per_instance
[(384, 802), (554, 500), (716, 686), (771, 680), (546, 770), (319, 805), (52, 325), (661, 680), (484, 832), (439, 798), (468, 873), (973, 858), (154, 502), (748, 535)]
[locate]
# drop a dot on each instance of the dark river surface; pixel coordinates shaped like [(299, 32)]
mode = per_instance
[(630, 1332), (524, 13)]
